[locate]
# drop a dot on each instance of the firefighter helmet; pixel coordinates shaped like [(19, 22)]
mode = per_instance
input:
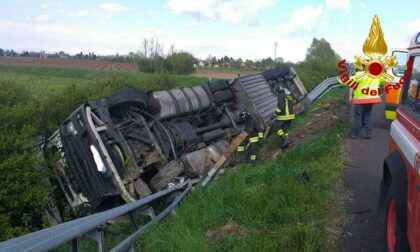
[(244, 114)]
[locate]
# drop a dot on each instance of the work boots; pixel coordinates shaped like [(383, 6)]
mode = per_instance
[(284, 142)]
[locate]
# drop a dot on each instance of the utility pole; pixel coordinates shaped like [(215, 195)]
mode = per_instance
[(275, 51)]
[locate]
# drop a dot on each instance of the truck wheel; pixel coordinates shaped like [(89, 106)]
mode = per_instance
[(396, 240), (123, 99)]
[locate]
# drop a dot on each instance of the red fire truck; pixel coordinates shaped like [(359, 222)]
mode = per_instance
[(399, 204)]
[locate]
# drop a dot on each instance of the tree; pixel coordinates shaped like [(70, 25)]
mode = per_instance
[(180, 63), (320, 63), (1, 52), (321, 51)]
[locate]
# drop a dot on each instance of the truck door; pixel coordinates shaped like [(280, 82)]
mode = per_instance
[(392, 96), (411, 102)]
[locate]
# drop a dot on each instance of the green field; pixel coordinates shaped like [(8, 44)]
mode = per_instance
[(44, 79)]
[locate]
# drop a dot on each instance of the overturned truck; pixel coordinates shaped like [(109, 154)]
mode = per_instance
[(135, 143)]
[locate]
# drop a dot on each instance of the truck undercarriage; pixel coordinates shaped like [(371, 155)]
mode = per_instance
[(135, 143)]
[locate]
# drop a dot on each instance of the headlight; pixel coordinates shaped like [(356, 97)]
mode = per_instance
[(70, 128), (98, 160)]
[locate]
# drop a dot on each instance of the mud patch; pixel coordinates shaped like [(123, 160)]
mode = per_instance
[(231, 228)]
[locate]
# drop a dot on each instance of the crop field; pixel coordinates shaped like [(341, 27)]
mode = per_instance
[(69, 63)]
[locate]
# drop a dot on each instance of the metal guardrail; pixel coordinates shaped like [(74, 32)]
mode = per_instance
[(52, 237), (323, 88)]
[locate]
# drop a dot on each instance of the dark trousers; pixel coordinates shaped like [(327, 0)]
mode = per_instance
[(362, 114), (281, 128), (247, 148)]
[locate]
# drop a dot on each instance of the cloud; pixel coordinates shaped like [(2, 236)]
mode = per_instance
[(59, 37), (114, 7), (234, 11), (343, 5), (407, 33), (43, 18), (80, 13), (304, 18), (193, 23)]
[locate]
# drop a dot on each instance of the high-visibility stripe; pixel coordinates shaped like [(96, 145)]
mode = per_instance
[(260, 134), (277, 110), (253, 157), (405, 141), (367, 100), (390, 115), (253, 139), (283, 118), (286, 134), (280, 132), (240, 148)]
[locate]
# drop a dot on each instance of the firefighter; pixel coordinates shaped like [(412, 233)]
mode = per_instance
[(255, 134), (283, 115)]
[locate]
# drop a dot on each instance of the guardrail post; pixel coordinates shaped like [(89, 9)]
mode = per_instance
[(133, 220), (97, 235), (75, 245)]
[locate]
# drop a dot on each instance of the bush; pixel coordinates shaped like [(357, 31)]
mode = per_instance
[(177, 63), (180, 63)]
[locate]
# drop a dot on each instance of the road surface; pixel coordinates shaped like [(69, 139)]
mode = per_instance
[(362, 175)]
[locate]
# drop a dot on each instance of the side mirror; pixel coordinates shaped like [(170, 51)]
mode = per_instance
[(401, 56)]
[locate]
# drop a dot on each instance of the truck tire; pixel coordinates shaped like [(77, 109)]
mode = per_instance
[(396, 239), (123, 99), (220, 85), (223, 96)]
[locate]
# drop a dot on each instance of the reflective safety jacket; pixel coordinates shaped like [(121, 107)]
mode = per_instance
[(362, 95), (284, 110)]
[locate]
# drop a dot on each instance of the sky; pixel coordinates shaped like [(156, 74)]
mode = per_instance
[(238, 28)]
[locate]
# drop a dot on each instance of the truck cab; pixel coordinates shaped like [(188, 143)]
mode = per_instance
[(399, 204)]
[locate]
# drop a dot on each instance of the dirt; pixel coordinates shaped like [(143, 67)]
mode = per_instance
[(322, 118), (220, 74), (231, 228), (69, 63)]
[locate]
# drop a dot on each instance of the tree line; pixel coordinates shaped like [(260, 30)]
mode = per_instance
[(151, 58)]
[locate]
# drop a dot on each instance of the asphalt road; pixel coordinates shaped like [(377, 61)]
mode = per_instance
[(362, 175)]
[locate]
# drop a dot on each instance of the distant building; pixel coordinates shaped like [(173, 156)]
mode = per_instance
[(201, 64)]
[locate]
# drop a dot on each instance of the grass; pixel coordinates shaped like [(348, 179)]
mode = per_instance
[(41, 80), (279, 206)]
